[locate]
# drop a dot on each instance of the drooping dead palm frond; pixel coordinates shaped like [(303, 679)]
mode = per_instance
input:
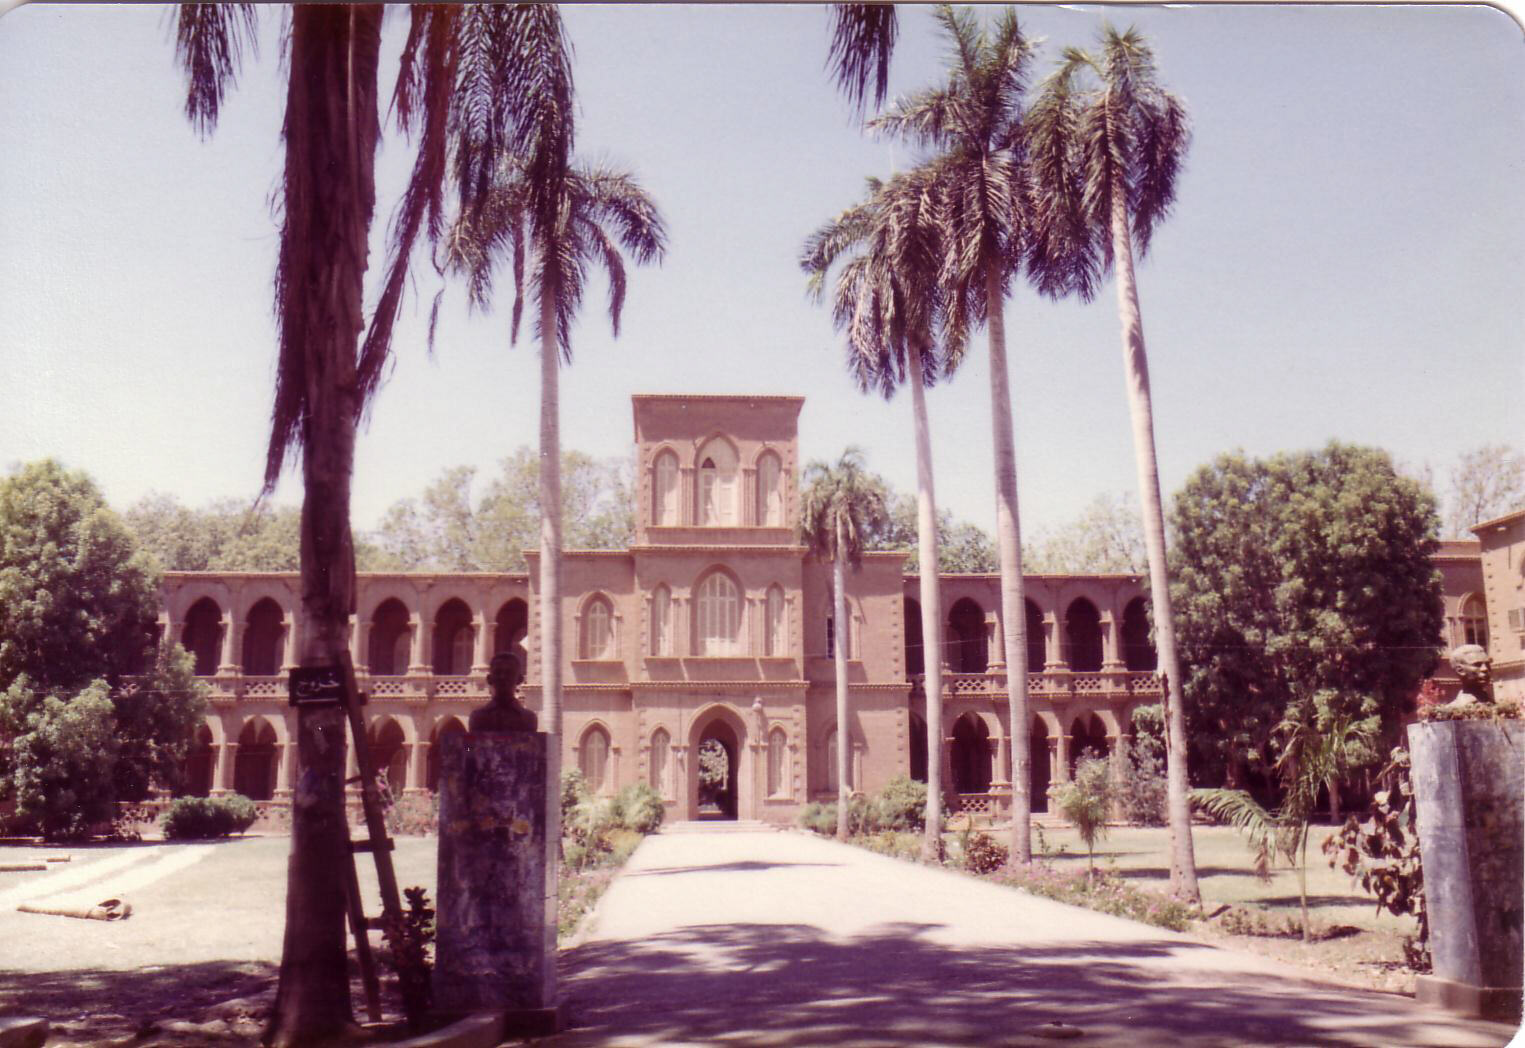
[(862, 41), (209, 44)]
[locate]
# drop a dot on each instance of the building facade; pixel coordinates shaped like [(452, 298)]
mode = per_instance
[(1501, 548), (712, 632)]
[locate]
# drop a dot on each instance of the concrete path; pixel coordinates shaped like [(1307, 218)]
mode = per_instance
[(780, 938)]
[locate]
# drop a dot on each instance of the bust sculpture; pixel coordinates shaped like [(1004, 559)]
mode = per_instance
[(1475, 669), (503, 713)]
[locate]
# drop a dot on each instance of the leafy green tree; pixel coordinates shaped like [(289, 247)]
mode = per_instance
[(78, 604), (1085, 801), (962, 547), (225, 535), (972, 123), (837, 504), (1107, 142), (888, 303), (1106, 537), (1301, 582)]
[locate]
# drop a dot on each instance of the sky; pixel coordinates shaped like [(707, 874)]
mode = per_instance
[(1344, 260)]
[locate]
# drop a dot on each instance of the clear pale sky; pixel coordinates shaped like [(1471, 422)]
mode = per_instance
[(1344, 260)]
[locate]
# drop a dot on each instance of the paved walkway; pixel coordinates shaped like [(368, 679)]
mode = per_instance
[(780, 938)]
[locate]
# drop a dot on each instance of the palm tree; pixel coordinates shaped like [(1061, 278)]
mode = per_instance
[(589, 216), (862, 41), (974, 122), (1107, 157), (887, 302), (489, 68), (839, 504)]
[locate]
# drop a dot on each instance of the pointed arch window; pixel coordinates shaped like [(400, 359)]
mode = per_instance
[(664, 509), (778, 755), (775, 624), (598, 630), (593, 758), (661, 621), (718, 618), (1474, 622), (770, 491), (717, 485), (661, 743)]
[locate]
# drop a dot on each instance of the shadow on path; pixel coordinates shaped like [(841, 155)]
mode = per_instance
[(747, 866), (790, 984)]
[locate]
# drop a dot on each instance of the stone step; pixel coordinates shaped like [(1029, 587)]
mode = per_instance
[(720, 826)]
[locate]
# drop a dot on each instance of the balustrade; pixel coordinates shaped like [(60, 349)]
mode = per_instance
[(1060, 684)]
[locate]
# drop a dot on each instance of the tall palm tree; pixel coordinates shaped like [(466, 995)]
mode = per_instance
[(490, 68), (1108, 142), (887, 302), (838, 506), (587, 218), (862, 42), (974, 123)]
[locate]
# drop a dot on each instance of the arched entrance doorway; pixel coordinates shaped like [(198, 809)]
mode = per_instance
[(718, 769), (971, 755), (1038, 777), (918, 746)]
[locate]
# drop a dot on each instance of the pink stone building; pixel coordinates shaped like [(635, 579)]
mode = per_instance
[(1501, 544), (716, 624)]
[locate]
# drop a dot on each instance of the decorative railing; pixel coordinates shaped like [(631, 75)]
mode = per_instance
[(420, 687), (1054, 686)]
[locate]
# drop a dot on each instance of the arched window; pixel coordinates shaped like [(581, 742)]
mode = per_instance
[(1036, 656), (453, 636), (448, 726), (778, 754), (391, 639), (718, 620), (770, 491), (775, 627), (1474, 622), (661, 742), (664, 490), (202, 635), (513, 627), (661, 621), (598, 630), (717, 485), (1082, 637), (915, 649), (593, 758), (1138, 649), (262, 639), (254, 762), (970, 654), (389, 755)]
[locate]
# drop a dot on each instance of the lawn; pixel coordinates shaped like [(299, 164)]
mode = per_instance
[(1371, 955)]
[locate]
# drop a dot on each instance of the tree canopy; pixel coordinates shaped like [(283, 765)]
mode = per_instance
[(87, 716), (1486, 482), (1304, 586)]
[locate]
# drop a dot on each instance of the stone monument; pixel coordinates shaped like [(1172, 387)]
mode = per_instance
[(1469, 788), (495, 947)]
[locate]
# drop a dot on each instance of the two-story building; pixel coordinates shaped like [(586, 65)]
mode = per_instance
[(713, 629)]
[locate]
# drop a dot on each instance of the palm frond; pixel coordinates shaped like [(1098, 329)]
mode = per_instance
[(862, 42), (209, 43), (1260, 828)]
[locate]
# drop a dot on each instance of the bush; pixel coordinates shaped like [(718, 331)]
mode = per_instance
[(1140, 789), (196, 818), (901, 805), (1084, 801), (640, 808), (574, 790), (1106, 893), (981, 854), (819, 818), (896, 845)]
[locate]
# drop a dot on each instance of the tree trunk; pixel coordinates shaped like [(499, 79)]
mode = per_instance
[(930, 587), (1009, 542), (1183, 867), (550, 520), (331, 132), (839, 653)]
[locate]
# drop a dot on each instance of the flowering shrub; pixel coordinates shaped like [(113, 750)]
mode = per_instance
[(981, 854), (1104, 892)]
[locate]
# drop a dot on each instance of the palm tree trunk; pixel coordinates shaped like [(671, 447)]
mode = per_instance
[(331, 133), (1183, 866), (931, 611), (839, 652), (1009, 542), (550, 573)]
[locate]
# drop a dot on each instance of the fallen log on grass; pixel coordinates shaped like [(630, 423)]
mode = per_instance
[(106, 910)]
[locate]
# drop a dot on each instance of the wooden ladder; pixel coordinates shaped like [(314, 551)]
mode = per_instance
[(376, 842)]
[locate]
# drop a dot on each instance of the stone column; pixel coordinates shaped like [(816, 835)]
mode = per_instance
[(687, 498), (291, 643), (231, 634), (995, 644), (680, 632), (1053, 650), (418, 646), (421, 766), (1002, 769), (1054, 763), (482, 649), (359, 649), (750, 511), (227, 762), (1111, 647), (1062, 772), (496, 924), (285, 753)]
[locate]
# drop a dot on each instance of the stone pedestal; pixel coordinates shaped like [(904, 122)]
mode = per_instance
[(1469, 785), (495, 947)]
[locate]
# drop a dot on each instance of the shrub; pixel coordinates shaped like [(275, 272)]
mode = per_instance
[(574, 790), (409, 937), (1140, 788), (897, 845), (901, 805), (1105, 892), (1084, 801), (193, 818), (819, 818), (981, 854), (640, 808)]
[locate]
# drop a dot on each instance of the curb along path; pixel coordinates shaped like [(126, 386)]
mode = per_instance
[(781, 938)]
